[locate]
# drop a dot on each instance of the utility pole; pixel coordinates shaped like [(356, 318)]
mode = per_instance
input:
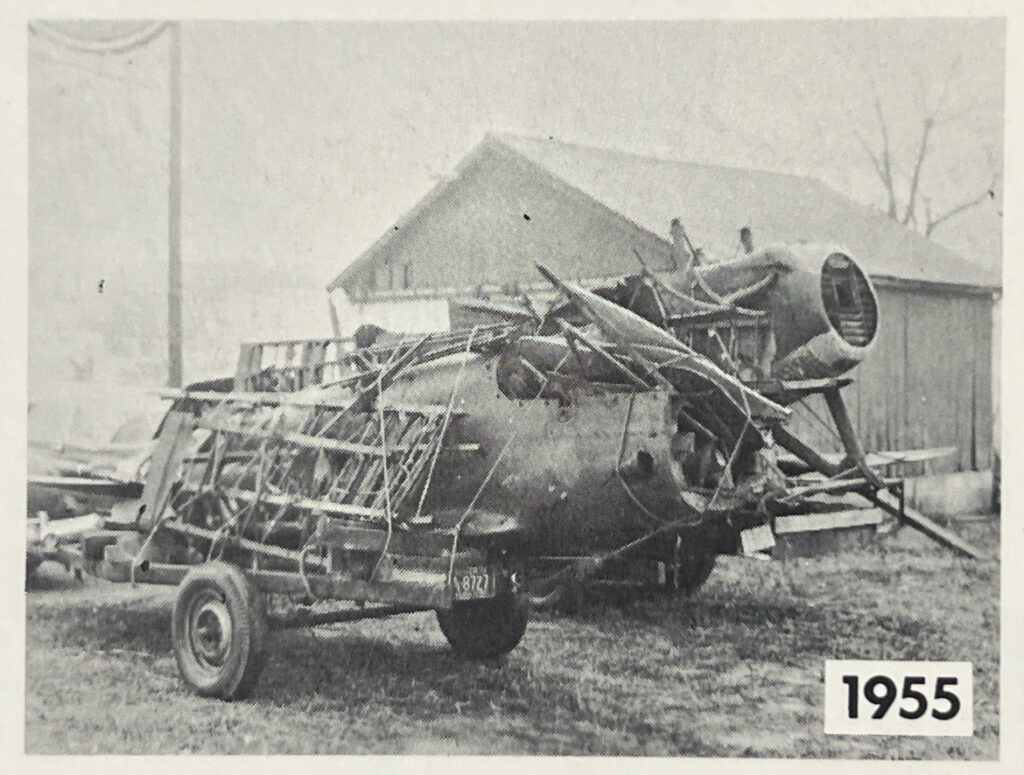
[(141, 37), (174, 300)]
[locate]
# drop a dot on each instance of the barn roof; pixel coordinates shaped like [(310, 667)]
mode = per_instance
[(644, 194)]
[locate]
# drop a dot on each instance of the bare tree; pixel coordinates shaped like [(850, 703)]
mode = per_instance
[(916, 211)]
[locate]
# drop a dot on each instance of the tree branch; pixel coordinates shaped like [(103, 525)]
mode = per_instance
[(875, 160), (915, 179), (884, 163), (932, 223), (916, 210)]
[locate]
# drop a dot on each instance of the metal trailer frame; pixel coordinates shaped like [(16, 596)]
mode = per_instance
[(420, 575), (229, 541)]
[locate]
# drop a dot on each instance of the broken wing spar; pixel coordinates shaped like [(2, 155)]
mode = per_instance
[(792, 465), (658, 351)]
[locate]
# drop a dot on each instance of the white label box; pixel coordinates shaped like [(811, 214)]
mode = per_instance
[(932, 699)]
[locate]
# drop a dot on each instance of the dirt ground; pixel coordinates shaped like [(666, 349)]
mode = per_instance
[(736, 670)]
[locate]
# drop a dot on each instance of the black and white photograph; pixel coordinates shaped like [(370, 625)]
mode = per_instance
[(441, 383)]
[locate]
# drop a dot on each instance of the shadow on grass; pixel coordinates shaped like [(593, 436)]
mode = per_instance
[(353, 669), (357, 674), (785, 630), (50, 577), (131, 625), (344, 663)]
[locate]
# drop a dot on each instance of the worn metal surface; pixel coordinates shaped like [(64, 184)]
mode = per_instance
[(558, 471)]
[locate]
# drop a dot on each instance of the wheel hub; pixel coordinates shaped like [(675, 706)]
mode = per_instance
[(210, 631)]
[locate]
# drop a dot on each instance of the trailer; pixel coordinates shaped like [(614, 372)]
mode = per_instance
[(300, 506)]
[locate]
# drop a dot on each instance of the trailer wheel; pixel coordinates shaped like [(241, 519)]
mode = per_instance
[(479, 629), (218, 629)]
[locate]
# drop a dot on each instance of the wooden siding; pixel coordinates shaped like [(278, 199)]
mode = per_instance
[(927, 383), (503, 215)]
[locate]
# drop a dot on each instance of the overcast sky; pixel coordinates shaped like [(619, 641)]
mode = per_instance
[(303, 141)]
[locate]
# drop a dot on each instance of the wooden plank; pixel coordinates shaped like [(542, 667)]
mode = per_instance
[(256, 547), (426, 410), (84, 485), (838, 486), (920, 522), (255, 398), (464, 448), (286, 342), (165, 464), (304, 504), (303, 439), (410, 551), (828, 520), (776, 386), (880, 459)]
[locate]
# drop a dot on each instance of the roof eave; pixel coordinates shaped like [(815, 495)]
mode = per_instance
[(936, 286), (352, 271)]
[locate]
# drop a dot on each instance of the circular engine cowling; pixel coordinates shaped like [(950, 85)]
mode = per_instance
[(823, 306)]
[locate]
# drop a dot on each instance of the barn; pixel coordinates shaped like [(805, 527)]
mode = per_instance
[(588, 212)]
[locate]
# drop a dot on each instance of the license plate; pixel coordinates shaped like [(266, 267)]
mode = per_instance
[(474, 584)]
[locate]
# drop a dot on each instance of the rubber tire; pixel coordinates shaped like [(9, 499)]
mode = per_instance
[(246, 650), (31, 566), (695, 568), (481, 629)]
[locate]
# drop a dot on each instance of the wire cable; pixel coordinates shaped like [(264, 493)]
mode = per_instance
[(102, 47), (444, 424)]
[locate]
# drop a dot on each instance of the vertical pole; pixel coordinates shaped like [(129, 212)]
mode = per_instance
[(174, 301)]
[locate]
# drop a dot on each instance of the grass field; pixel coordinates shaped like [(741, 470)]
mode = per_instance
[(734, 671)]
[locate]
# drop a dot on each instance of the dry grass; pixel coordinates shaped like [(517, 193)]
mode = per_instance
[(734, 671)]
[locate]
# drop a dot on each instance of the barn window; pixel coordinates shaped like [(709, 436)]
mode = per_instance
[(391, 277), (371, 280), (406, 275)]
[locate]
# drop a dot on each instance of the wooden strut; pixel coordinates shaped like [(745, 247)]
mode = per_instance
[(851, 444), (880, 495), (315, 366), (595, 347), (807, 454), (892, 505)]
